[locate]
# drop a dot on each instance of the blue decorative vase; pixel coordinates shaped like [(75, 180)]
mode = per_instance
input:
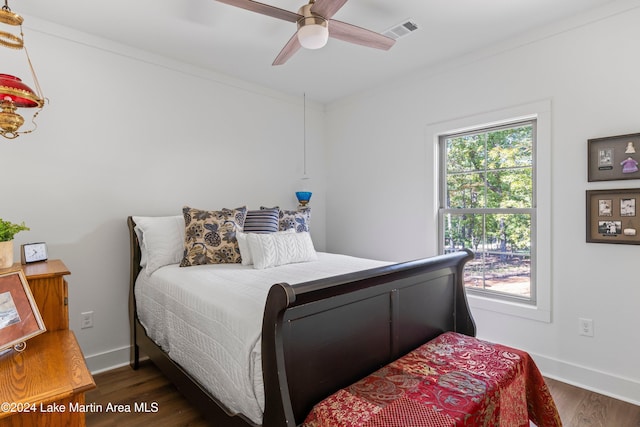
[(303, 197)]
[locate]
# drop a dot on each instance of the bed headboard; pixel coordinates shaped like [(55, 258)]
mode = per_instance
[(135, 256)]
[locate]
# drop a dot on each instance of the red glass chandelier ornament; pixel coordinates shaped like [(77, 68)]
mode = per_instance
[(14, 93)]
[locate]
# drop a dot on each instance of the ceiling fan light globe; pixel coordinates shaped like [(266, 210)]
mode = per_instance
[(313, 36)]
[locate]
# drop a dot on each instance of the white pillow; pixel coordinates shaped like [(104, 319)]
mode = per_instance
[(243, 244), (161, 240), (273, 249)]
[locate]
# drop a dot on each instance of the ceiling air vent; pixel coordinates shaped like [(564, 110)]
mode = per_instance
[(401, 30)]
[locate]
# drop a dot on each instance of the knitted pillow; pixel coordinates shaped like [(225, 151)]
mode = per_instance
[(274, 249)]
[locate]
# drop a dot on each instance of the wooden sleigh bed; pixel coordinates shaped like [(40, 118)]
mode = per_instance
[(322, 335)]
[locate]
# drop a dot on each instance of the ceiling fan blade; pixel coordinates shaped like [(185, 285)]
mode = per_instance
[(292, 46), (264, 9), (327, 8), (352, 34)]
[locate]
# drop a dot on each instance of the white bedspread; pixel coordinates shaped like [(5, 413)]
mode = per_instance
[(209, 320)]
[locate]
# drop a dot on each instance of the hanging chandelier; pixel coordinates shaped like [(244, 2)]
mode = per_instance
[(14, 93)]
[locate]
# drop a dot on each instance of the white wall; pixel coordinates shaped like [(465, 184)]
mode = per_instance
[(127, 133), (382, 189), (130, 133)]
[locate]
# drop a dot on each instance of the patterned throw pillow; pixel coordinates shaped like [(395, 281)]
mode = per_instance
[(264, 220), (298, 220), (210, 236)]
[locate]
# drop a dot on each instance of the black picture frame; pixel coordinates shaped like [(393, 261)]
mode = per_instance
[(613, 216), (614, 158)]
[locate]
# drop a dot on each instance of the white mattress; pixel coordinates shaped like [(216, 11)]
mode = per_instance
[(209, 320)]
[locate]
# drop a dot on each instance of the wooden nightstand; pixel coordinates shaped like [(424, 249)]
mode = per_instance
[(49, 289), (45, 384), (37, 384)]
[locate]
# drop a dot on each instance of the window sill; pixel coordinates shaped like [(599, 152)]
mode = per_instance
[(510, 308)]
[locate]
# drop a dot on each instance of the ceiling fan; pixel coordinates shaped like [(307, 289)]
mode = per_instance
[(315, 26)]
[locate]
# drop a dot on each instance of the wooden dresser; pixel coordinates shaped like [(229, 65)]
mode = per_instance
[(45, 384)]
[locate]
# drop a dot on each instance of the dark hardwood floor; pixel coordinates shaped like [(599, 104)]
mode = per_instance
[(146, 385), (582, 408), (167, 408)]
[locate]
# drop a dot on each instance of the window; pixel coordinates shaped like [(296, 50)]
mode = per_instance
[(538, 209), (488, 205)]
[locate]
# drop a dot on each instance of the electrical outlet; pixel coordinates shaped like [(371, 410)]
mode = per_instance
[(585, 327), (86, 321)]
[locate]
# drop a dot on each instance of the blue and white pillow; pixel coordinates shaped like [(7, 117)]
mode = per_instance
[(264, 220), (297, 220)]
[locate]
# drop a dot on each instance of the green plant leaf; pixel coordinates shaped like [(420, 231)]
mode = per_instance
[(8, 230)]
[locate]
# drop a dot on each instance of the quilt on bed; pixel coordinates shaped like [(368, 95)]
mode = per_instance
[(208, 319), (453, 380)]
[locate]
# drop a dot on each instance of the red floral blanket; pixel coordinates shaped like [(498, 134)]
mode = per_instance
[(453, 380)]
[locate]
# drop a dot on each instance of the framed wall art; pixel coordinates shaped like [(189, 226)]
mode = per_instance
[(19, 315), (614, 158), (613, 216)]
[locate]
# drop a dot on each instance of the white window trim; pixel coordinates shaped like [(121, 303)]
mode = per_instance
[(540, 110)]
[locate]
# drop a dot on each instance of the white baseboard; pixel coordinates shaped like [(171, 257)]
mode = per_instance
[(589, 379), (614, 386), (108, 360)]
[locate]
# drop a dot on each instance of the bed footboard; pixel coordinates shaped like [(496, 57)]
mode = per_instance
[(323, 335)]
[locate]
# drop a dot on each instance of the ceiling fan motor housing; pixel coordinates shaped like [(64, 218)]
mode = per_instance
[(313, 31)]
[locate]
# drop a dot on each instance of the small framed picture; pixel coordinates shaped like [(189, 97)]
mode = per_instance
[(605, 159), (611, 216), (604, 207), (627, 207), (609, 228), (19, 315)]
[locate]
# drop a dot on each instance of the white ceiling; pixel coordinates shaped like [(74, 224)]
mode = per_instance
[(243, 44)]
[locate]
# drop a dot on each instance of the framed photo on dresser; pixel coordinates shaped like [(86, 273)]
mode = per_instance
[(19, 315)]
